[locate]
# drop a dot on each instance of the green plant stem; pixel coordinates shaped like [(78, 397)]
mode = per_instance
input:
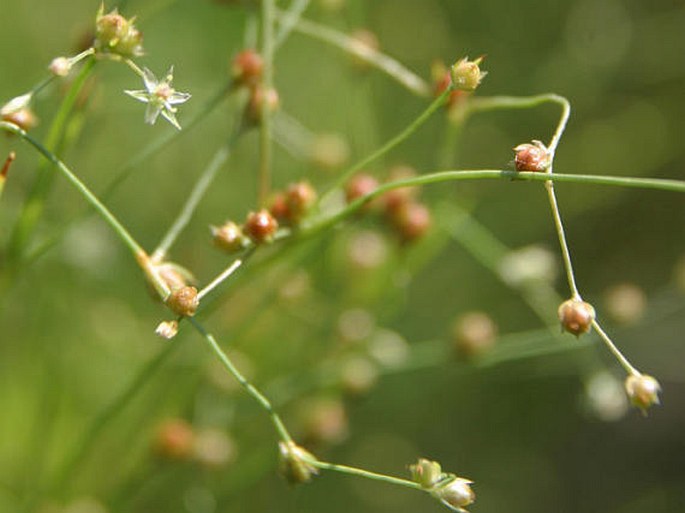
[(196, 195), (114, 223), (565, 252), (265, 128), (614, 350), (395, 141), (33, 208), (491, 174), (383, 62), (289, 19), (249, 387), (224, 275), (66, 472), (352, 471), (138, 252)]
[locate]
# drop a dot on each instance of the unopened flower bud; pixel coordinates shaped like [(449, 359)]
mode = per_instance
[(167, 329), (643, 391), (247, 67), (425, 472), (576, 316), (115, 34), (228, 237), (466, 74), (532, 157), (455, 493), (184, 301), (260, 226), (294, 463), (60, 66)]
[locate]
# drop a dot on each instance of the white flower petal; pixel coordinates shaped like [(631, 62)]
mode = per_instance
[(150, 80), (171, 118), (177, 98), (141, 96), (152, 112)]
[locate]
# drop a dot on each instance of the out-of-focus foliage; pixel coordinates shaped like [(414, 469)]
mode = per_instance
[(323, 328)]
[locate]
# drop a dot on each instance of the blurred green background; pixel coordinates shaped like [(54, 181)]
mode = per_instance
[(539, 423)]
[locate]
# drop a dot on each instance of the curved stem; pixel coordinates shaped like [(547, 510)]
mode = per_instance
[(383, 62), (614, 350), (33, 208), (196, 195), (352, 471), (492, 174), (565, 252), (249, 387), (395, 141), (118, 228)]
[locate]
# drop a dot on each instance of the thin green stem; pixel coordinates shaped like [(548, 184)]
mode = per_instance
[(226, 273), (565, 252), (249, 387), (382, 62), (491, 174), (114, 223), (289, 19), (134, 162), (615, 350), (395, 141), (33, 208), (109, 412), (268, 13), (352, 471), (194, 199)]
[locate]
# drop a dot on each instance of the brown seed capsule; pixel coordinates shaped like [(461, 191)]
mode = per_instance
[(359, 186), (278, 207), (247, 68), (183, 301), (412, 221), (300, 198), (175, 439), (576, 316), (643, 390), (532, 157), (260, 226), (228, 237)]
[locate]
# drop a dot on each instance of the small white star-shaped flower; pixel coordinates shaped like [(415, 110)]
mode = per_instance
[(160, 97)]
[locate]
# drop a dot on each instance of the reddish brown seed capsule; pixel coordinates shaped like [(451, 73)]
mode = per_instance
[(412, 220), (576, 316), (247, 67), (279, 207), (532, 157), (360, 185), (300, 198), (183, 301), (261, 99), (260, 226)]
